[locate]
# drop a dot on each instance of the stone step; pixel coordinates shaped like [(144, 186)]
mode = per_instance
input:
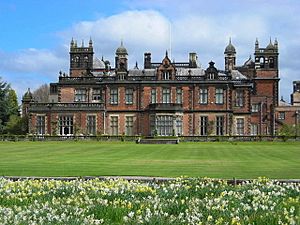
[(158, 141)]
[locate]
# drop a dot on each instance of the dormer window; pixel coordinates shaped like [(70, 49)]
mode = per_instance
[(211, 76), (211, 72), (166, 75)]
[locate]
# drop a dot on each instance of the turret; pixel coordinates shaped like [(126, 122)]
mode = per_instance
[(121, 57), (26, 100), (121, 62), (230, 57)]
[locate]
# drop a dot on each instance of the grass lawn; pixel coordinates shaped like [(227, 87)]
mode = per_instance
[(89, 158)]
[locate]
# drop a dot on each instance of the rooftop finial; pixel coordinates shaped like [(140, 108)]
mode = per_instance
[(276, 43), (90, 42), (166, 53), (229, 40), (72, 42), (256, 44), (122, 42), (136, 65), (82, 43)]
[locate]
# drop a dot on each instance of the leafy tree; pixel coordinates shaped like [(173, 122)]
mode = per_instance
[(17, 125), (289, 130), (41, 94)]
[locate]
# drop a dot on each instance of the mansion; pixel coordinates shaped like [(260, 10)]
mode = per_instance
[(163, 98)]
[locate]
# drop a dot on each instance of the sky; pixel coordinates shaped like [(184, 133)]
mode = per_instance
[(35, 35)]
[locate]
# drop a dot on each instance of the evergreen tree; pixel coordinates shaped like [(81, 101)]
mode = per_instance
[(4, 110), (9, 109), (12, 101)]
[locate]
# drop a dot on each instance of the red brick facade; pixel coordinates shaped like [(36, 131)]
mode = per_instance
[(167, 98)]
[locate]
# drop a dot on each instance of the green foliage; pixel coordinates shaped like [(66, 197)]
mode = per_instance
[(17, 125), (289, 130), (8, 105), (12, 102)]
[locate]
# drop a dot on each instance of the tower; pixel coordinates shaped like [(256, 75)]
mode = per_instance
[(230, 58), (266, 84), (81, 58), (121, 57), (121, 64), (266, 59)]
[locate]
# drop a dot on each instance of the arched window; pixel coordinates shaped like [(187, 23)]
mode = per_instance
[(262, 62), (86, 61), (271, 62), (77, 61)]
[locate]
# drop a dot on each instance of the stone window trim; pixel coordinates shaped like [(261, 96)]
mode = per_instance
[(281, 115), (203, 95), (41, 127), (240, 126), (87, 122), (179, 95), (114, 96), (239, 98), (153, 96), (111, 124), (219, 96), (255, 107), (80, 95), (129, 95)]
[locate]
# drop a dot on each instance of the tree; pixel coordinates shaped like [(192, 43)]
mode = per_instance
[(4, 108), (12, 102), (17, 125), (41, 94), (9, 108)]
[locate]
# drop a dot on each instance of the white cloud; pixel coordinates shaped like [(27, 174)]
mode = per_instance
[(33, 60), (203, 27)]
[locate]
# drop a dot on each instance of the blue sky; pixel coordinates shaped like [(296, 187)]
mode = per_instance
[(35, 34)]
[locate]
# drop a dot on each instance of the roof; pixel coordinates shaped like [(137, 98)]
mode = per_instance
[(121, 50), (98, 64), (237, 75), (230, 48)]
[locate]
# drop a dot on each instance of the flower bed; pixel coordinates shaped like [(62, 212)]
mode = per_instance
[(182, 201)]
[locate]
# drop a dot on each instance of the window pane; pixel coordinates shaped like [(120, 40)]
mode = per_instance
[(239, 98), (129, 125), (179, 95), (40, 125), (166, 95), (80, 95), (203, 95), (240, 126), (220, 125), (219, 96), (91, 125), (114, 125), (114, 96), (129, 96), (153, 95), (203, 125), (65, 124)]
